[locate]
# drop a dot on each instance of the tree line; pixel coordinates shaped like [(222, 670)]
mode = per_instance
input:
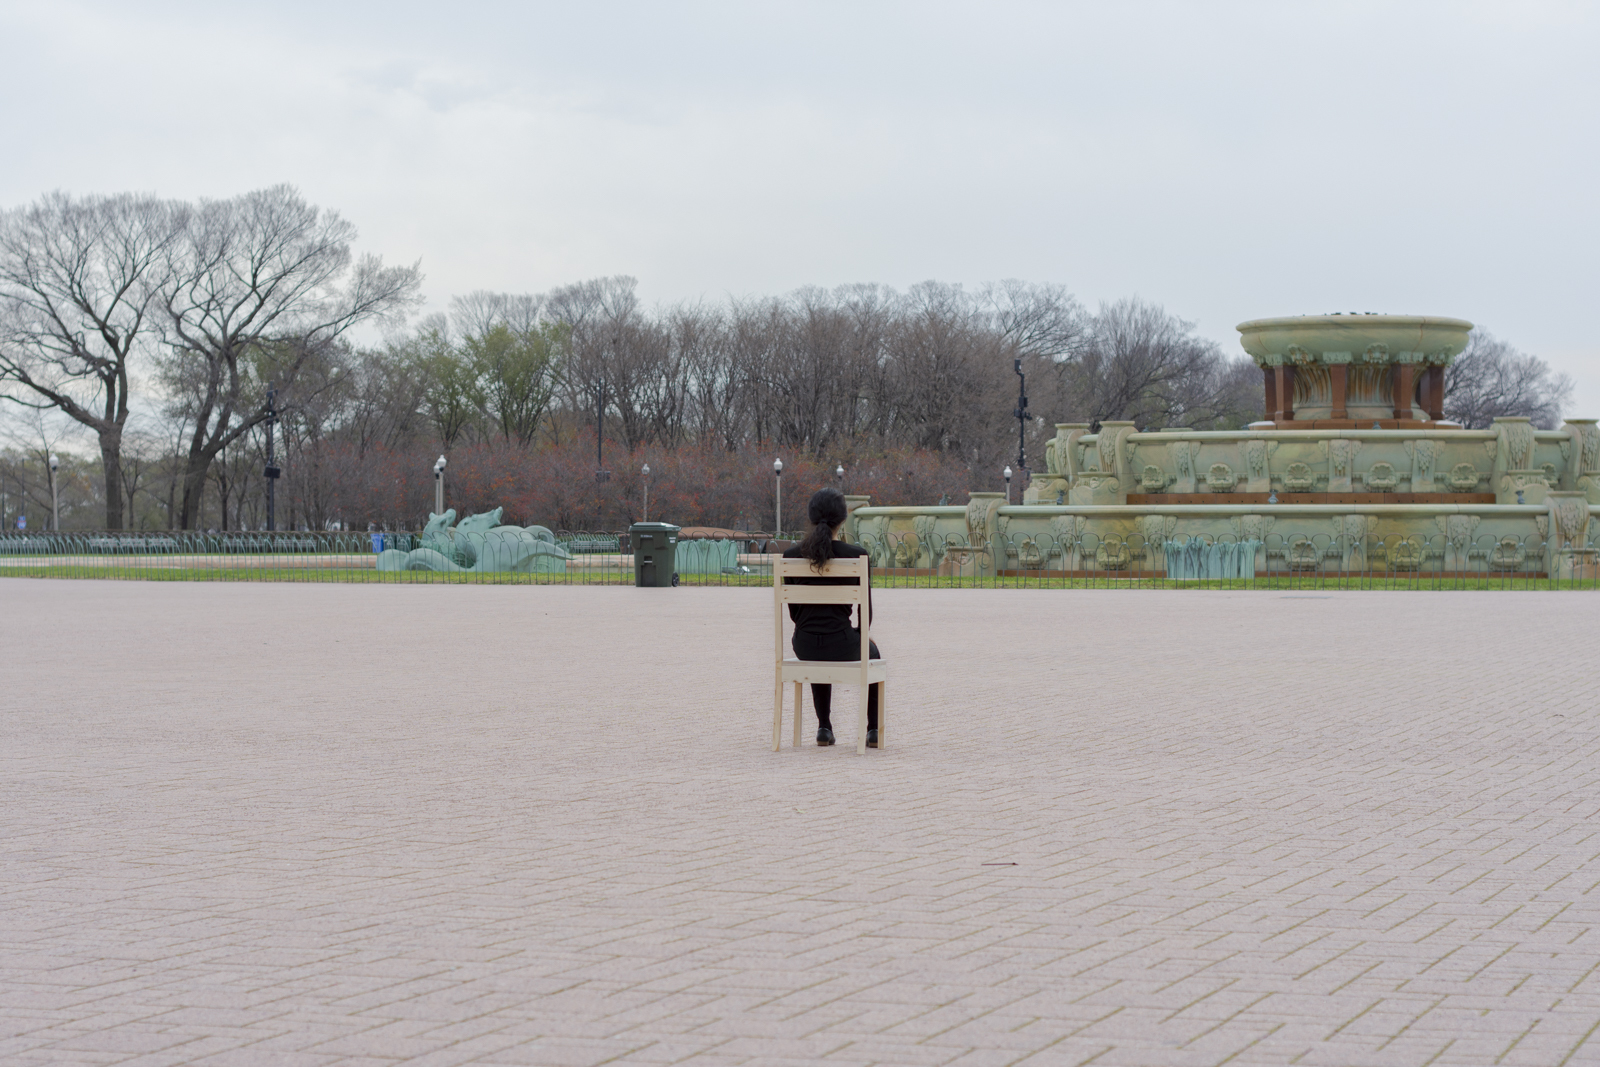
[(196, 310)]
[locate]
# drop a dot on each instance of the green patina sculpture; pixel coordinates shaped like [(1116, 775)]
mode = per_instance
[(481, 545)]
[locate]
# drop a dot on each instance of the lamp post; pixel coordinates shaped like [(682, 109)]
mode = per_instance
[(271, 472), (55, 498), (838, 472), (1022, 416), (1007, 473), (438, 485), (777, 493), (646, 493)]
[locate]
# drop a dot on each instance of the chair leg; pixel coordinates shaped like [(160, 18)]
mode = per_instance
[(797, 706), (777, 715), (883, 716), (861, 723)]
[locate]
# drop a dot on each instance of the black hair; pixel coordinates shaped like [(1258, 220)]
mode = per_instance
[(827, 511)]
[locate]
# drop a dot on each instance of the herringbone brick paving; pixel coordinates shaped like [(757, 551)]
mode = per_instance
[(436, 825)]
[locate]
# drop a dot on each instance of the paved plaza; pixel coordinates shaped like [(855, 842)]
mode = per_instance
[(304, 824)]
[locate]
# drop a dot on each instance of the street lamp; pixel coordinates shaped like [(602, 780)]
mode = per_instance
[(438, 485), (271, 471), (838, 472), (777, 490), (1021, 414), (1007, 473), (646, 493), (55, 498)]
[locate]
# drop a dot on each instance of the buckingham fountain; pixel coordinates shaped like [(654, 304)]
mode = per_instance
[(1352, 469)]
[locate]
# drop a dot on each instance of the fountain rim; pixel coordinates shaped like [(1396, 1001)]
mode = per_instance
[(1352, 321)]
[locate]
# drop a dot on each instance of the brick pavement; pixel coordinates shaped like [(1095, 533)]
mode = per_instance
[(435, 825)]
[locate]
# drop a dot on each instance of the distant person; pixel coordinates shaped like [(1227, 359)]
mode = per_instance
[(823, 631)]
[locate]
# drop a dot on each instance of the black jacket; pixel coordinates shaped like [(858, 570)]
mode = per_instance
[(822, 620)]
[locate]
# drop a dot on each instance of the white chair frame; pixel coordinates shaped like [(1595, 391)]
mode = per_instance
[(801, 672)]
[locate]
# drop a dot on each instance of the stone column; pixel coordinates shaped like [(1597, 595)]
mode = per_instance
[(1339, 376), (1433, 391), (1403, 382), (1269, 379), (1286, 392)]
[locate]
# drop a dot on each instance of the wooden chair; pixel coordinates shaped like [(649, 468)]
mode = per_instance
[(801, 672)]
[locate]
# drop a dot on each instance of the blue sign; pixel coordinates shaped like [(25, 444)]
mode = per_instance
[(22, 522)]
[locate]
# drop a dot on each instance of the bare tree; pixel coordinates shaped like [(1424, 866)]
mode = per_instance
[(481, 311), (1491, 378), (259, 284), (1138, 362), (77, 278)]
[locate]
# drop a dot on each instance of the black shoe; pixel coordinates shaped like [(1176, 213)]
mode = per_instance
[(872, 739), (824, 736)]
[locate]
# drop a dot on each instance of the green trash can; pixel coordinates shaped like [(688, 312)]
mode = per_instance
[(655, 550)]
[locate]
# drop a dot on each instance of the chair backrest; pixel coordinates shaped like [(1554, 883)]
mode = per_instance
[(789, 593), (785, 592)]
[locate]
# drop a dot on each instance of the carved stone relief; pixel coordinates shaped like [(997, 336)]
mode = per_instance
[(1220, 478), (1108, 450), (1253, 527), (1064, 529), (1157, 529), (1572, 518), (1457, 529), (1518, 436), (1423, 453), (1341, 456), (1381, 477), (1152, 479), (1299, 478), (977, 523), (1508, 554), (1463, 478), (1258, 478), (1183, 463), (1255, 459), (1029, 555)]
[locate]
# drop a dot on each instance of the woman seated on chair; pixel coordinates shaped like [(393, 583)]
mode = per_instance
[(823, 631)]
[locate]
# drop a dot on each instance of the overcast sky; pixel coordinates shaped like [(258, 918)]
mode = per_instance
[(1227, 160)]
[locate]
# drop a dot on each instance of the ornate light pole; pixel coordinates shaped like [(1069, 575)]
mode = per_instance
[(271, 472), (1022, 418), (1007, 473), (55, 497), (646, 493), (438, 485), (838, 472), (777, 490)]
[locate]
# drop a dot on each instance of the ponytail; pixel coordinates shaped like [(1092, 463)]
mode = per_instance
[(827, 511)]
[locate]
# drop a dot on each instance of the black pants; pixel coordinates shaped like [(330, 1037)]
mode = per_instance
[(844, 645)]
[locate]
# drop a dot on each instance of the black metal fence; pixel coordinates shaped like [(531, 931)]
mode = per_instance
[(1282, 559)]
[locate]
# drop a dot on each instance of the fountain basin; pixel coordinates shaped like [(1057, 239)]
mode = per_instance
[(1345, 371)]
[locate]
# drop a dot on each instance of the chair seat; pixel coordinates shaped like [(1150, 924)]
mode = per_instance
[(833, 672)]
